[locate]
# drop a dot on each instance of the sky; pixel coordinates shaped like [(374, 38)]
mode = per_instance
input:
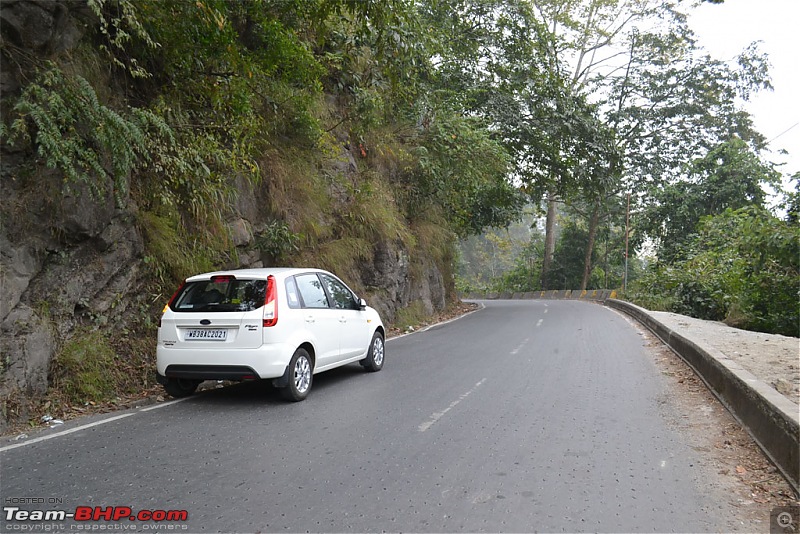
[(726, 29)]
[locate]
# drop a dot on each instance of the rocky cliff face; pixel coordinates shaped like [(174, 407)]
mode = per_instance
[(72, 260)]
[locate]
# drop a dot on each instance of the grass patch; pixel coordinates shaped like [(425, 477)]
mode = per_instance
[(342, 257), (173, 255), (297, 195), (85, 369), (412, 315), (435, 239), (374, 214)]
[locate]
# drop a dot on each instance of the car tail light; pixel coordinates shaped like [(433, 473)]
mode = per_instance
[(222, 278), (170, 302), (271, 303)]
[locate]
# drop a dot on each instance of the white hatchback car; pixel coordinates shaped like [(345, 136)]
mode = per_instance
[(283, 324)]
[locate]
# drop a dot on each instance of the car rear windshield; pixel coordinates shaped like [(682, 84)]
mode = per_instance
[(227, 295)]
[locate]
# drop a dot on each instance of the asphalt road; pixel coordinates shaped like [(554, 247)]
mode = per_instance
[(524, 416)]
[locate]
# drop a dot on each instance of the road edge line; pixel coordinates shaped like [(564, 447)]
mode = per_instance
[(65, 432), (481, 306)]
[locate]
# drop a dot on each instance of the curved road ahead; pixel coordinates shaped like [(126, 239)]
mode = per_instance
[(523, 416)]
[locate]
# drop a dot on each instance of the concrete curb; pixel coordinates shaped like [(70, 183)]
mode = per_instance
[(770, 418)]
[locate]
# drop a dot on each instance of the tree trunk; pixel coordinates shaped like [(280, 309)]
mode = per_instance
[(549, 240), (594, 222)]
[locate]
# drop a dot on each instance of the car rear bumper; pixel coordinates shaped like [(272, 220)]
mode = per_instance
[(267, 361)]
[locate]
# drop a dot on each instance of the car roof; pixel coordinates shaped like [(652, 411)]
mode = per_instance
[(257, 273)]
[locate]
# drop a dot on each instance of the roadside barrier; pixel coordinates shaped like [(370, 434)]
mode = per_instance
[(560, 294)]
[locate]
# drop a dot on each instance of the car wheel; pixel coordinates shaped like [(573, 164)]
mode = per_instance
[(180, 387), (376, 354), (301, 374)]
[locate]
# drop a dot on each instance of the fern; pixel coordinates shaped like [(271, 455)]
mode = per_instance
[(119, 30), (73, 132)]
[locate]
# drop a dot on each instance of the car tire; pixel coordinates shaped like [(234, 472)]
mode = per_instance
[(376, 354), (181, 387), (301, 375)]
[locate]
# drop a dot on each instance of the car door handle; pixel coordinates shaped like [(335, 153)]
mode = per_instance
[(310, 319)]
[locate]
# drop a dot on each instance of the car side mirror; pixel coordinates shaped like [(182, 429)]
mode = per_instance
[(362, 304)]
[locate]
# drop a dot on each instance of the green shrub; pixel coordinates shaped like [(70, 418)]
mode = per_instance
[(277, 240), (85, 369), (742, 267)]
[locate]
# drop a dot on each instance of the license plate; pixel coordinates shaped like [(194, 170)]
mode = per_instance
[(206, 334)]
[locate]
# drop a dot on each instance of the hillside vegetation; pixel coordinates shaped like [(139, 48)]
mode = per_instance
[(145, 141)]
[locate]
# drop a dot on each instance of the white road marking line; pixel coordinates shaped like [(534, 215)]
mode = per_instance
[(515, 351), (90, 425), (539, 323), (65, 432), (482, 307), (438, 415), (162, 404)]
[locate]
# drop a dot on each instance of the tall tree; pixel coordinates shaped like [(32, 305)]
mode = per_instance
[(584, 34), (494, 62), (672, 103), (560, 148), (661, 96), (730, 176)]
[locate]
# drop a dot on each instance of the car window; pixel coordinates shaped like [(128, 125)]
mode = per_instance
[(343, 298), (311, 290), (292, 296), (224, 296)]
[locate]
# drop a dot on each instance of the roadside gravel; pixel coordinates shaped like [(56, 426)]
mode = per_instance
[(772, 358)]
